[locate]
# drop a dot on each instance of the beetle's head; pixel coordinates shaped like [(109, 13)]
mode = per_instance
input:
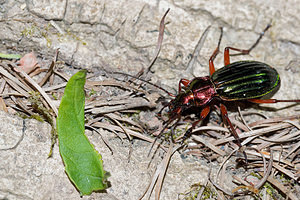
[(178, 105)]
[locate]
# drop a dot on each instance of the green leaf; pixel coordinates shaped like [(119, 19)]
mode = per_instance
[(10, 56), (83, 163)]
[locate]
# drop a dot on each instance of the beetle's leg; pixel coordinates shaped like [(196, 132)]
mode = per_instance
[(203, 114), (243, 51), (214, 55), (184, 82), (272, 100), (235, 135), (225, 117)]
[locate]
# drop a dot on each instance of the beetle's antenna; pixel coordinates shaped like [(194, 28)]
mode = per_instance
[(148, 82), (260, 36), (246, 52), (163, 129), (197, 48)]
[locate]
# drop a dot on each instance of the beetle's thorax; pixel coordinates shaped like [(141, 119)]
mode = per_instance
[(198, 93)]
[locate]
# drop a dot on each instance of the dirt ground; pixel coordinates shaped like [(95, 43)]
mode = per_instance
[(121, 36)]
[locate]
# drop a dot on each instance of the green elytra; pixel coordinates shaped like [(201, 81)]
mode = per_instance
[(245, 80)]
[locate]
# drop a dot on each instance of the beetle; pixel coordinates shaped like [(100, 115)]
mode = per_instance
[(242, 80)]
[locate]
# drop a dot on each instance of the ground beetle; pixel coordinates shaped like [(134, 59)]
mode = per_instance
[(242, 80)]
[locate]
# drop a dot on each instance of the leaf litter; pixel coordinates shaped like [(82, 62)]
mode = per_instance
[(272, 145)]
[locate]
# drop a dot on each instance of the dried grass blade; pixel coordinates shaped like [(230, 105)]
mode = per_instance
[(240, 180), (11, 94), (254, 133), (265, 144), (55, 87), (243, 119), (285, 171), (117, 128), (218, 186), (159, 41), (115, 84), (3, 105), (120, 125), (159, 174), (213, 128), (22, 105), (281, 187), (286, 162), (48, 74), (163, 169), (16, 87), (15, 83), (103, 138), (197, 49), (41, 91), (266, 172), (14, 79), (296, 146), (151, 185), (2, 85), (133, 103), (62, 75), (286, 138), (293, 123), (240, 125), (209, 145), (119, 101), (274, 120), (225, 160), (127, 120)]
